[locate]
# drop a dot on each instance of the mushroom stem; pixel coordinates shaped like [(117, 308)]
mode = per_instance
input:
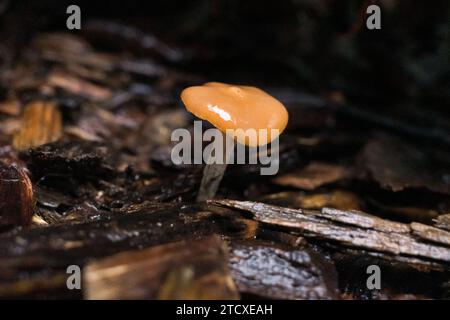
[(213, 174)]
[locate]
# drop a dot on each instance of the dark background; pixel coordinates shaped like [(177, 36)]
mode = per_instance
[(318, 46)]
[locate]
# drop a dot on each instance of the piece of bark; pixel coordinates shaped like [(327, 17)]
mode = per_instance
[(41, 124), (291, 240), (81, 160), (397, 165), (10, 107), (182, 270), (305, 111), (125, 36), (43, 253), (431, 233), (395, 278), (313, 176), (408, 213), (16, 196), (78, 86), (443, 222), (281, 272), (61, 43), (364, 220), (393, 260), (349, 229), (339, 199)]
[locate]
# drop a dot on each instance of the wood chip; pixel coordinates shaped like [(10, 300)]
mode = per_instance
[(351, 229), (41, 124), (313, 176), (431, 233), (181, 270), (443, 222), (337, 199), (78, 86), (10, 107), (281, 272), (364, 220), (397, 165)]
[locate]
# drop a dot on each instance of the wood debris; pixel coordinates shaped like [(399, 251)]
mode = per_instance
[(313, 176), (352, 229), (281, 272), (41, 124), (86, 170), (182, 270)]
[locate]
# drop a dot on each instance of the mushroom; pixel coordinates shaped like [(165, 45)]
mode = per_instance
[(228, 106)]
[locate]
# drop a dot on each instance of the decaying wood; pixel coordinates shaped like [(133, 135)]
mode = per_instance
[(281, 272), (16, 195), (41, 123), (105, 183), (81, 160), (443, 222), (350, 228), (338, 199), (10, 107), (431, 233), (397, 165), (78, 86), (313, 176), (46, 252), (181, 270), (132, 38)]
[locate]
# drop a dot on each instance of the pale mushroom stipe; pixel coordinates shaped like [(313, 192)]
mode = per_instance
[(237, 111)]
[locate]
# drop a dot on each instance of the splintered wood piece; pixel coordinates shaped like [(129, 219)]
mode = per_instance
[(364, 220), (349, 229), (281, 272), (431, 233), (41, 124), (181, 270), (443, 222)]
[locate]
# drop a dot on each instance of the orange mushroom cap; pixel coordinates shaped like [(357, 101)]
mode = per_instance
[(228, 106)]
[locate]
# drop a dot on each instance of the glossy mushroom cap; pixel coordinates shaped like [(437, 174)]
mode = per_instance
[(234, 107)]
